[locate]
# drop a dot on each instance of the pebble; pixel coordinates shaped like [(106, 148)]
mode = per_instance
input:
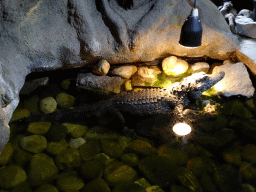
[(39, 128), (249, 152), (91, 170), (172, 66), (55, 148), (68, 159), (57, 132), (47, 188), (6, 154), (65, 100), (200, 66), (20, 114), (69, 180), (77, 142), (97, 185), (32, 104), (65, 84), (111, 148), (124, 71), (130, 159), (78, 131), (33, 143), (144, 76), (101, 68), (90, 149), (48, 105)]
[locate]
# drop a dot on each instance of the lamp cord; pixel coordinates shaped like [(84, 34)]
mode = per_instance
[(195, 4)]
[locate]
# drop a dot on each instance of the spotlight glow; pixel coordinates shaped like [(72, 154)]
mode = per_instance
[(181, 129)]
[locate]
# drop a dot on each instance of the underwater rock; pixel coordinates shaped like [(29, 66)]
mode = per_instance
[(249, 152), (101, 68), (19, 114), (68, 159), (33, 143), (48, 105), (6, 154), (91, 170), (65, 100), (76, 143), (47, 188), (57, 132), (232, 155), (172, 66), (111, 148), (90, 149), (32, 105), (55, 148), (30, 86), (65, 84), (96, 185), (248, 171), (125, 71), (69, 180), (78, 131), (130, 159), (140, 148), (39, 128)]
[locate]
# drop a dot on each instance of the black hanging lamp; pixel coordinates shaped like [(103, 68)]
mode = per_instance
[(191, 31)]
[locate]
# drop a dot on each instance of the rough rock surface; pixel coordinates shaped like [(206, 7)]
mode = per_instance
[(236, 80), (245, 26)]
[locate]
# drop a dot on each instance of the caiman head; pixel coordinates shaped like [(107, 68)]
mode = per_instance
[(197, 83)]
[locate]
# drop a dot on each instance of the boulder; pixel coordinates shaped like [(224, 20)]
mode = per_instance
[(245, 26)]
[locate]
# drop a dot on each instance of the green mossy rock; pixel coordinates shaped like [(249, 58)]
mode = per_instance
[(143, 183), (56, 133), (99, 132), (124, 141), (48, 105), (238, 109), (55, 148), (32, 104), (140, 148), (65, 84), (23, 187), (248, 171), (130, 159), (47, 188), (232, 155), (197, 166), (175, 156), (111, 148), (159, 170), (69, 180), (250, 104), (177, 188), (90, 149), (11, 176), (68, 159), (65, 100), (207, 182), (33, 143), (116, 173), (102, 157), (21, 157), (249, 152), (41, 170), (129, 187), (154, 188), (19, 114), (6, 154), (39, 128), (92, 170), (78, 131), (76, 143), (98, 185)]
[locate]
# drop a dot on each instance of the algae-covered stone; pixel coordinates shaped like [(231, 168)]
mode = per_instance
[(32, 104), (232, 155), (177, 157), (117, 173), (128, 187), (55, 148), (207, 182), (21, 157), (41, 170), (189, 180), (250, 104), (154, 188), (22, 187), (90, 149), (99, 132), (140, 148), (248, 171), (159, 170), (102, 157), (98, 185), (69, 180), (78, 131), (39, 128), (33, 143), (130, 159), (56, 133), (92, 170), (68, 158), (20, 114), (11, 176), (65, 84), (124, 141), (76, 143), (238, 109), (248, 188), (48, 105), (47, 188), (177, 188), (197, 166), (6, 154), (249, 152), (143, 182), (111, 148), (65, 100)]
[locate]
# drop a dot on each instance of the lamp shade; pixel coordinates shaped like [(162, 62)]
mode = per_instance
[(191, 31)]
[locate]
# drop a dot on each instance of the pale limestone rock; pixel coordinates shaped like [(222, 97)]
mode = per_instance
[(124, 71), (101, 68), (144, 75), (200, 66), (236, 80), (174, 66)]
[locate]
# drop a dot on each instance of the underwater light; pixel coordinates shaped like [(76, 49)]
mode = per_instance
[(181, 129)]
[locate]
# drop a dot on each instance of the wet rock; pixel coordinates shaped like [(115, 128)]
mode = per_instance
[(207, 182), (39, 128), (47, 188), (248, 171), (200, 66), (6, 154), (65, 100), (41, 170), (69, 180), (101, 68), (197, 166), (105, 83), (250, 104), (177, 188), (144, 76), (48, 105), (68, 159), (130, 159), (232, 155), (238, 109), (90, 149), (248, 188), (91, 170), (20, 114), (128, 187), (76, 143), (30, 86), (65, 84), (246, 126), (34, 143), (99, 132), (172, 66), (249, 152), (78, 130), (236, 80), (32, 104), (21, 157), (116, 173), (124, 71), (111, 148), (56, 133), (140, 148), (55, 148), (23, 187), (143, 182), (11, 176), (102, 157), (97, 185)]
